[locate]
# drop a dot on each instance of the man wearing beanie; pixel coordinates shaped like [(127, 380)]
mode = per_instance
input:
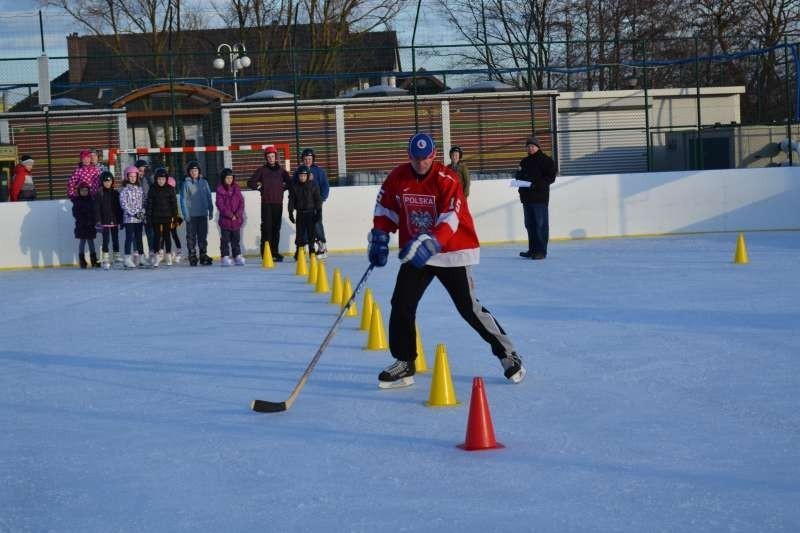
[(538, 171)]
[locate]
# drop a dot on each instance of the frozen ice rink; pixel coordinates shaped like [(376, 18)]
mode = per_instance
[(663, 394)]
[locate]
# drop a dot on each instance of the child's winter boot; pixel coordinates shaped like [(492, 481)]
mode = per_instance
[(82, 260), (95, 262)]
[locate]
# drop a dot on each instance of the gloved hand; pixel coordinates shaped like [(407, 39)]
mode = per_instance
[(177, 221), (291, 217), (378, 249), (317, 216), (141, 216), (420, 250), (211, 216)]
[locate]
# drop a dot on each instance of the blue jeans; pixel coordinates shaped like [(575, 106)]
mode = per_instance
[(538, 225)]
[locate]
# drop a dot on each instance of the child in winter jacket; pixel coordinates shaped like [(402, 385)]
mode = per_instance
[(86, 173), (196, 205), (162, 204), (305, 198), (230, 204), (83, 212), (131, 199), (108, 215), (174, 224)]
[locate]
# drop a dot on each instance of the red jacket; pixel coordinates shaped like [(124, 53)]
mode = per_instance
[(433, 205), (20, 173)]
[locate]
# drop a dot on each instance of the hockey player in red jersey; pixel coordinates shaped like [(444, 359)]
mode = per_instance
[(424, 201)]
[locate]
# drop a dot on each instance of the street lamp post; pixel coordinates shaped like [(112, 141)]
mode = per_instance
[(237, 59)]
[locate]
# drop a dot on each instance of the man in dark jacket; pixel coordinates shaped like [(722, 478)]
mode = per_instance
[(538, 170), (272, 180)]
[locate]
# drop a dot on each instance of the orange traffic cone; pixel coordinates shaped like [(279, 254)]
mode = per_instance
[(266, 261), (420, 363), (480, 432), (366, 310), (336, 290)]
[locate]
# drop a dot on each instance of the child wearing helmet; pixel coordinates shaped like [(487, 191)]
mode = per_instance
[(318, 175), (230, 205), (108, 214), (162, 204), (304, 197), (197, 210), (456, 163), (131, 199)]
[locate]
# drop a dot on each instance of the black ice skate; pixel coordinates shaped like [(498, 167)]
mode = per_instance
[(398, 374), (513, 368)]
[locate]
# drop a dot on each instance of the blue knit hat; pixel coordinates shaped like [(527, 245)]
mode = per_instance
[(421, 146)]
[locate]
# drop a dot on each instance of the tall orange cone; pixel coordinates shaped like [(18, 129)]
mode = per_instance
[(266, 261), (302, 267), (312, 269), (443, 394), (336, 290), (480, 431), (377, 335), (347, 292), (420, 363), (322, 278), (366, 309), (740, 257)]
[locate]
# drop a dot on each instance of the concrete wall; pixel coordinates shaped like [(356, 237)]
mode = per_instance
[(40, 233)]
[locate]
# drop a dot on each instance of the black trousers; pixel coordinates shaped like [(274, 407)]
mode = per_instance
[(229, 242), (271, 227), (112, 232), (304, 223), (161, 237), (197, 234), (457, 281), (319, 229)]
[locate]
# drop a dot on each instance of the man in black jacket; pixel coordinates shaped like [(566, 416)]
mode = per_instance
[(539, 170)]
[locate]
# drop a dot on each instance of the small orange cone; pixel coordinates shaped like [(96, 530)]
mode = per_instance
[(443, 394), (336, 290), (266, 261), (740, 257), (480, 431), (302, 267), (347, 292), (366, 309), (420, 363), (322, 278), (377, 335), (312, 269)]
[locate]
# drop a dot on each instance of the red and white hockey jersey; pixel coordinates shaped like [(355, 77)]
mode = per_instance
[(434, 205)]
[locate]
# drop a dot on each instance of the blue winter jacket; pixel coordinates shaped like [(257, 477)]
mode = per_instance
[(196, 198)]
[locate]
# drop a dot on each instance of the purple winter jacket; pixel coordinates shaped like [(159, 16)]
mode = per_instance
[(230, 203)]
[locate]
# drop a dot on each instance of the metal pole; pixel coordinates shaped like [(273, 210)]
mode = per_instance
[(646, 106), (414, 67), (294, 99), (49, 153), (788, 96), (172, 81), (41, 30), (699, 143), (530, 76)]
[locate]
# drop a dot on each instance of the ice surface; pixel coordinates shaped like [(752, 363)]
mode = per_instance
[(663, 394)]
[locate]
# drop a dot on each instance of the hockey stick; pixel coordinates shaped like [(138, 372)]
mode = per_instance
[(263, 406)]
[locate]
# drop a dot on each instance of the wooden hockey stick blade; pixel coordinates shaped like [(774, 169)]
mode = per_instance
[(263, 406)]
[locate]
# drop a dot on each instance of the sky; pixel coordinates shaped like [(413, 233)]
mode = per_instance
[(661, 396)]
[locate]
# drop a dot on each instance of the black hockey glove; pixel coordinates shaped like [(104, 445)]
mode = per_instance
[(291, 217)]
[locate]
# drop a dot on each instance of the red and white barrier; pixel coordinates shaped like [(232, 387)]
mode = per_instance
[(112, 153)]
